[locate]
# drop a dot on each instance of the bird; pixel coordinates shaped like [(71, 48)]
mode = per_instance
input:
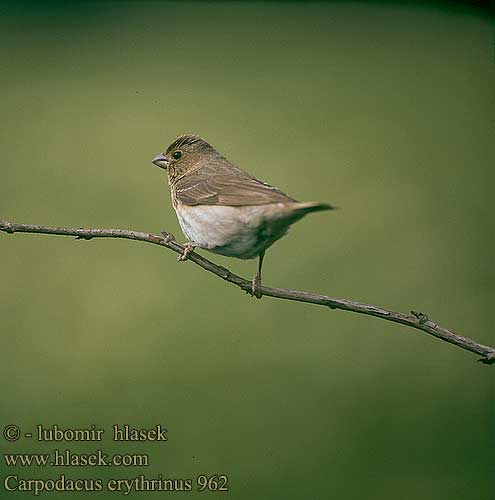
[(224, 209)]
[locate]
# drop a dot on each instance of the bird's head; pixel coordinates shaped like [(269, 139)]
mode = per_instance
[(186, 152)]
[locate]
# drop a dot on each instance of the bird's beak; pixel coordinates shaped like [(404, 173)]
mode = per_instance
[(160, 160)]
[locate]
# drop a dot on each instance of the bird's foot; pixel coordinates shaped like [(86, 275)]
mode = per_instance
[(188, 248), (167, 236), (256, 287)]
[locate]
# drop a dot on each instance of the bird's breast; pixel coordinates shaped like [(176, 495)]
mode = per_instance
[(242, 232)]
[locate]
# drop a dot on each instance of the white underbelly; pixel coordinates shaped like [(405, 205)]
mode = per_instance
[(241, 232)]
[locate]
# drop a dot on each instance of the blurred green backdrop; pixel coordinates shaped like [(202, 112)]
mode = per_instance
[(385, 110)]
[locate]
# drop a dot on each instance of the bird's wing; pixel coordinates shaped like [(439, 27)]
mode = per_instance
[(222, 183)]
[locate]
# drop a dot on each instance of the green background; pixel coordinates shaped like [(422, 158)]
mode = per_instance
[(385, 110)]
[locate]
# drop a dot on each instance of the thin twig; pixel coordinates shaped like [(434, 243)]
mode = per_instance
[(417, 320)]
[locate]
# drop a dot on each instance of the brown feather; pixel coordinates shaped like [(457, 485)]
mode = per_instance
[(218, 182)]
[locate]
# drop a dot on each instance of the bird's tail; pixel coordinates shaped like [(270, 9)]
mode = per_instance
[(311, 206), (288, 213)]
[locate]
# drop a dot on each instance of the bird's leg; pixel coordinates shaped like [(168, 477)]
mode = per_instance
[(188, 248), (256, 283)]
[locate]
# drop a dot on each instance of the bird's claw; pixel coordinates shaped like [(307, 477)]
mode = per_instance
[(188, 248)]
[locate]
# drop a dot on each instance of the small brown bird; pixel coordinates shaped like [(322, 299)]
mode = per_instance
[(224, 209)]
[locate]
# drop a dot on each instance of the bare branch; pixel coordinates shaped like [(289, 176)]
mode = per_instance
[(417, 320)]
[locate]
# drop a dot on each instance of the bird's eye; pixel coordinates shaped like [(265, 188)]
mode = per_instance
[(177, 155)]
